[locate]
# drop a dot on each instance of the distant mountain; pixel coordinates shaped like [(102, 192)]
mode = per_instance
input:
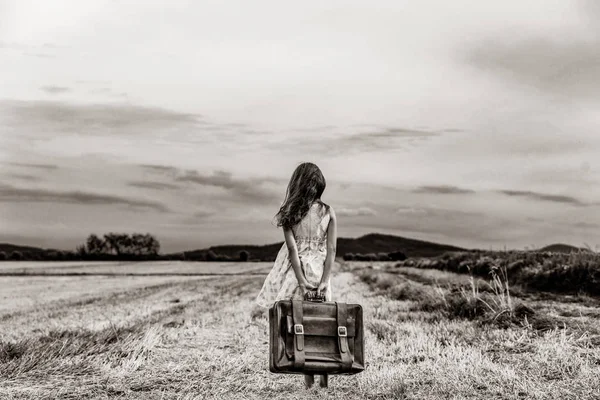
[(371, 243), (562, 248), (9, 248), (376, 243)]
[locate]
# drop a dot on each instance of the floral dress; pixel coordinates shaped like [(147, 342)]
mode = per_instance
[(311, 239)]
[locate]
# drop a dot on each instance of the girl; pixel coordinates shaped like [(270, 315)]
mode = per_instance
[(305, 259)]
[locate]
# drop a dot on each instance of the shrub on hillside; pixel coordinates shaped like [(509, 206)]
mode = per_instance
[(557, 272), (371, 257), (397, 256), (16, 255), (244, 255), (348, 257), (383, 257), (3, 256)]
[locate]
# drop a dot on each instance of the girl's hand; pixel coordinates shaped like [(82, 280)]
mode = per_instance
[(323, 287), (305, 286)]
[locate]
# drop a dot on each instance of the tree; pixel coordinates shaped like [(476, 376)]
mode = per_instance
[(138, 244), (95, 245), (383, 257), (113, 243), (244, 255), (3, 256), (16, 255), (152, 245), (348, 257), (81, 251)]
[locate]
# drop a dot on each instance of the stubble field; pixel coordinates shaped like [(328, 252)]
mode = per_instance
[(163, 331)]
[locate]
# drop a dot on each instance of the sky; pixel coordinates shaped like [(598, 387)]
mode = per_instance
[(469, 123)]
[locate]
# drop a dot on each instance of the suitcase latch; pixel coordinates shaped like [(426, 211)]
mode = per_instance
[(298, 329), (342, 331)]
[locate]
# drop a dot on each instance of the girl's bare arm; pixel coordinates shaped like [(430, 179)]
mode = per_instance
[(331, 249), (294, 259)]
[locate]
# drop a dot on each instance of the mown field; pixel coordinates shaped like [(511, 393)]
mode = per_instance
[(140, 331)]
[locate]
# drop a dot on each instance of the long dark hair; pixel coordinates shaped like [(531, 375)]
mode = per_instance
[(306, 186)]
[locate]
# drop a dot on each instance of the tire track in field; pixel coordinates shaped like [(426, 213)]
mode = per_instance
[(110, 355), (113, 274), (221, 351), (101, 311), (62, 306)]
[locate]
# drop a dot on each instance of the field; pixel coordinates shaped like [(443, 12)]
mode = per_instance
[(165, 331)]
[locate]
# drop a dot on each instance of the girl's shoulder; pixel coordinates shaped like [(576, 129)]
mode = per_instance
[(326, 209)]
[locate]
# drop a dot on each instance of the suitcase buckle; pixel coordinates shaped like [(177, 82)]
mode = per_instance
[(298, 329), (342, 331)]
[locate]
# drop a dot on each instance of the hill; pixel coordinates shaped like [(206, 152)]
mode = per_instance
[(376, 243), (370, 243), (562, 248), (9, 248)]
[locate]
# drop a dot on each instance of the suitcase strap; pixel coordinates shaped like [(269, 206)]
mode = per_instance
[(299, 356), (342, 319)]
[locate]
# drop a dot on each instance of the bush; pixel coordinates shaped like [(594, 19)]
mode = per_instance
[(16, 255), (371, 257), (3, 256), (553, 272), (244, 255), (348, 257), (383, 257), (397, 256)]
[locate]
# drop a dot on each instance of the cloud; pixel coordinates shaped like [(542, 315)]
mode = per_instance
[(241, 189), (161, 169), (411, 210), (440, 224), (564, 64), (153, 185), (376, 140), (116, 119), (39, 55), (443, 189), (55, 89), (10, 194), (25, 177), (355, 212), (201, 214), (338, 140), (37, 166), (544, 197), (106, 91), (586, 225)]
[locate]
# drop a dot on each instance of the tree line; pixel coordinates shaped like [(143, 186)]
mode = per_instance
[(116, 247), (142, 247), (120, 245)]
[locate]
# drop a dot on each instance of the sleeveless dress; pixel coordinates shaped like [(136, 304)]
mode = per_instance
[(311, 239)]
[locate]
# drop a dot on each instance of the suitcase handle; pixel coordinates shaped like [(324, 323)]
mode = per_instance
[(314, 296)]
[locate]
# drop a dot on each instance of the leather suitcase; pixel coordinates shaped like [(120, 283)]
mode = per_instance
[(316, 337)]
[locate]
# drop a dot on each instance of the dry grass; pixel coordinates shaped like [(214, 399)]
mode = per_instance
[(203, 338), (577, 272), (74, 268)]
